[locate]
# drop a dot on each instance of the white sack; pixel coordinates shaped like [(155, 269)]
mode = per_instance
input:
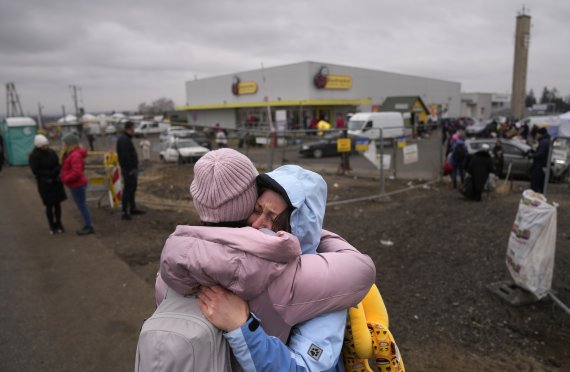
[(532, 243)]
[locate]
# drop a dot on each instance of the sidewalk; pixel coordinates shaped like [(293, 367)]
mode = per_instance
[(68, 303)]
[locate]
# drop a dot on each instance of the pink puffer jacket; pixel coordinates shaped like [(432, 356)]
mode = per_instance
[(283, 287)]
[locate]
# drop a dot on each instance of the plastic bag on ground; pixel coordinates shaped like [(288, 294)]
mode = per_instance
[(532, 244)]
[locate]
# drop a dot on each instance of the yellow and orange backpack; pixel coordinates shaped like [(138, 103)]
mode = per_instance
[(367, 337)]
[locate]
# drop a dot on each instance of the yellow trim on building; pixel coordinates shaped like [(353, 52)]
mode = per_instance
[(310, 102)]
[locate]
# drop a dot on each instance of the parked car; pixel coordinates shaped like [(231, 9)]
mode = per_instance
[(201, 139), (150, 127), (481, 129), (110, 129), (177, 132), (181, 132), (327, 146), (182, 150), (516, 152)]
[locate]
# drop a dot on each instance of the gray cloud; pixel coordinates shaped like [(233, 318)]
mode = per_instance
[(122, 53)]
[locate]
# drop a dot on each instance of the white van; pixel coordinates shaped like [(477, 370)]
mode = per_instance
[(150, 127), (368, 124)]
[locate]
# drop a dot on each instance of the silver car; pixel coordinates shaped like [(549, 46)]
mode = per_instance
[(515, 152)]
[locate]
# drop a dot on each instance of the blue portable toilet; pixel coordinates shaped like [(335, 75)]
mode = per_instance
[(18, 136)]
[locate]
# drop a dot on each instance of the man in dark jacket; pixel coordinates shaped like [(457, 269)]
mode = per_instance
[(539, 160), (480, 166), (129, 162)]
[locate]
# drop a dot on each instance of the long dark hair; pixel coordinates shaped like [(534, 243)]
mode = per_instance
[(283, 221)]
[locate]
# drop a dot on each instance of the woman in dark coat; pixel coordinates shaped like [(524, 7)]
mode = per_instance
[(45, 166), (480, 165)]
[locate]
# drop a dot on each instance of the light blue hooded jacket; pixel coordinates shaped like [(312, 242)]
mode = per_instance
[(306, 192), (315, 344)]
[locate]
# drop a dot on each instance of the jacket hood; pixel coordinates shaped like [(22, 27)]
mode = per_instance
[(80, 150), (304, 191)]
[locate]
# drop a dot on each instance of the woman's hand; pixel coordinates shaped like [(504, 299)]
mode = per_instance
[(222, 308)]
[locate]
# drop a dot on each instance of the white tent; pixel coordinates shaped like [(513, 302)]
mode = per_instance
[(88, 118), (564, 130), (68, 119)]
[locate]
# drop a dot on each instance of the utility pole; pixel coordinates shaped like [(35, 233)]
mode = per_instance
[(13, 105), (272, 139), (40, 121), (74, 96)]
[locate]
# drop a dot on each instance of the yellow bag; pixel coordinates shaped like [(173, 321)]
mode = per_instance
[(367, 336)]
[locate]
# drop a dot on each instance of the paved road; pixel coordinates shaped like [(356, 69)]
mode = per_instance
[(68, 303)]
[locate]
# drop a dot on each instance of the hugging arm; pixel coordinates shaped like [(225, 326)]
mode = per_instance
[(314, 345), (336, 278), (242, 260)]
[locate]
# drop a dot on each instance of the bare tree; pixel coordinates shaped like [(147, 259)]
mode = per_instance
[(159, 106)]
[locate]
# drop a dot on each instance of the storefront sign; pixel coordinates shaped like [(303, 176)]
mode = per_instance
[(247, 87), (343, 145), (323, 80), (341, 82)]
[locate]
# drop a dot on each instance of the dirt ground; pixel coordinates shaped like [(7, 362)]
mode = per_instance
[(435, 253)]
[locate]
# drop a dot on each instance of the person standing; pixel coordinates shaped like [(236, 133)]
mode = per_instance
[(145, 147), (44, 163), (91, 140), (458, 159), (539, 161), (221, 138), (73, 176), (129, 162), (499, 157), (480, 165), (339, 121)]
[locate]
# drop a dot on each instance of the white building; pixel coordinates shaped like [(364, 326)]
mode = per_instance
[(308, 91), (484, 106)]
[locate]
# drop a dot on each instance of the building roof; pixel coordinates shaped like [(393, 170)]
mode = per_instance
[(402, 103), (20, 122)]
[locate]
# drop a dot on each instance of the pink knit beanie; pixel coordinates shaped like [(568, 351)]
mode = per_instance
[(224, 187)]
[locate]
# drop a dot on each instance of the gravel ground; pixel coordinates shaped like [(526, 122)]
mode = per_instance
[(435, 253)]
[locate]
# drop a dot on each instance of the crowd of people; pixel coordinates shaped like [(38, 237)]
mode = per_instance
[(486, 160), (52, 172)]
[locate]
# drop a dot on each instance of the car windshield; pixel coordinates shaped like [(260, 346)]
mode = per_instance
[(186, 143), (356, 124)]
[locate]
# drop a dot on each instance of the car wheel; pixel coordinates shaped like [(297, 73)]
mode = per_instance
[(162, 159), (318, 153)]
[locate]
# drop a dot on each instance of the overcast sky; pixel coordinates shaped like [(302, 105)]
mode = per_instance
[(121, 53)]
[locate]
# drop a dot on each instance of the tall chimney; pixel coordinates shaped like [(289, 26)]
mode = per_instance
[(522, 40)]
